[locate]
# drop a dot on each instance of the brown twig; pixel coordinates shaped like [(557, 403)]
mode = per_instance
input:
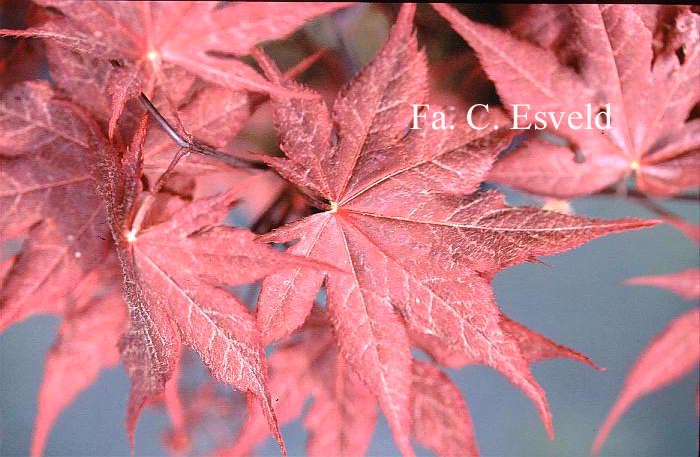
[(301, 67), (658, 209), (193, 145), (632, 193)]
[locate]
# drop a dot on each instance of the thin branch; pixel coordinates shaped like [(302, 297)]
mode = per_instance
[(182, 152), (658, 209), (164, 124), (298, 69), (632, 193), (196, 146)]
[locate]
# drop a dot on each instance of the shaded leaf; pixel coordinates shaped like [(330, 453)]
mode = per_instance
[(441, 420), (47, 198), (174, 270), (119, 49), (617, 65)]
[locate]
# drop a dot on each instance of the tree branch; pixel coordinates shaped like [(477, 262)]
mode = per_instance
[(193, 145), (632, 193)]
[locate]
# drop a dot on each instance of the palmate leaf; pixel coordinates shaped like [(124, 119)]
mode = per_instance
[(86, 343), (106, 53), (422, 254), (175, 260), (51, 149), (342, 416), (402, 235), (651, 90), (47, 198)]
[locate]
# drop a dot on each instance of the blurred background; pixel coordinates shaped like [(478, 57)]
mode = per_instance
[(577, 299)]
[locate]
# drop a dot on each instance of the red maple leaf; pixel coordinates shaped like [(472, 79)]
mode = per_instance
[(391, 220), (441, 420), (106, 53), (175, 259), (421, 255), (668, 357), (620, 64), (342, 416), (47, 199), (170, 251), (64, 265)]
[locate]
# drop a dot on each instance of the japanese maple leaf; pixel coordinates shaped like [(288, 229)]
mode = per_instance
[(397, 212), (124, 48), (176, 258), (86, 343), (47, 198), (685, 283), (342, 417), (552, 26), (650, 94), (669, 356)]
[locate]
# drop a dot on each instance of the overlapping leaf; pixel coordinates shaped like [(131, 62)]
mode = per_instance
[(441, 420), (86, 343), (47, 199), (421, 253), (651, 90), (175, 259), (106, 53), (49, 150), (413, 241), (341, 419)]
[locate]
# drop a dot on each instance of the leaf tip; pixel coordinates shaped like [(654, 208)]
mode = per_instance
[(638, 224), (550, 429)]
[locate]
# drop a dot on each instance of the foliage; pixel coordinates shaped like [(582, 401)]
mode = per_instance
[(375, 243)]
